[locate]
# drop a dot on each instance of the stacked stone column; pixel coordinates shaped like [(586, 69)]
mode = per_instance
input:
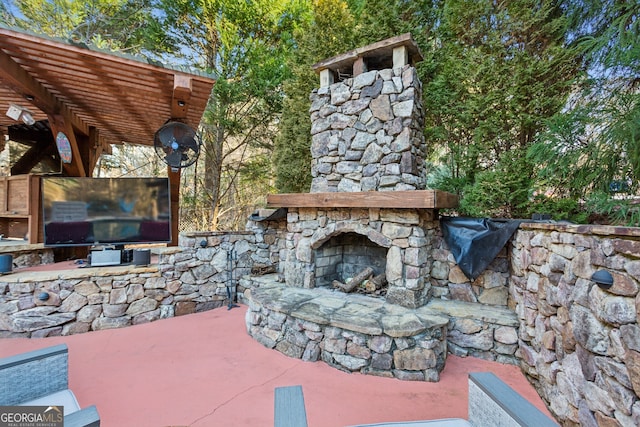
[(367, 133)]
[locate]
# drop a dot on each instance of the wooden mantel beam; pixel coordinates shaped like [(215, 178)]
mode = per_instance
[(416, 199)]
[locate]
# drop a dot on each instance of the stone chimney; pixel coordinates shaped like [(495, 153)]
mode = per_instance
[(367, 120)]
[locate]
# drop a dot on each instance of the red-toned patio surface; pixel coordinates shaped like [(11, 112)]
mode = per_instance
[(204, 370)]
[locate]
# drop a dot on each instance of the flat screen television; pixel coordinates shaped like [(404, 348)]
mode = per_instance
[(105, 211)]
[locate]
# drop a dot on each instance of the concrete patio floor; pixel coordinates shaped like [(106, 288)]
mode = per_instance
[(204, 370)]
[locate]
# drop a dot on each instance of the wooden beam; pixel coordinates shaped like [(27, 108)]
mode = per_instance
[(43, 149), (77, 166), (181, 95), (23, 84), (174, 192), (417, 199)]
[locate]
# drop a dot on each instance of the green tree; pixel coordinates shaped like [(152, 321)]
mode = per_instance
[(245, 44), (597, 136), (497, 71), (122, 25), (328, 31)]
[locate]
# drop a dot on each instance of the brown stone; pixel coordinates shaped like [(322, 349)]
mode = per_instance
[(86, 288), (185, 307), (416, 359), (623, 285), (461, 292), (627, 247), (605, 421), (456, 275), (632, 362)]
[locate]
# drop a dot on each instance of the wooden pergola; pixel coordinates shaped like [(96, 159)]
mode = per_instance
[(96, 98)]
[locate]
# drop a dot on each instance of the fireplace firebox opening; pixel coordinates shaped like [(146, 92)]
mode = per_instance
[(344, 256)]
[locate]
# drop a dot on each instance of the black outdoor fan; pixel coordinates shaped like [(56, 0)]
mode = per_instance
[(177, 145)]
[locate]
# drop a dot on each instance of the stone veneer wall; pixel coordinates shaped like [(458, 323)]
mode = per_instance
[(26, 255), (579, 344), (187, 279), (367, 133)]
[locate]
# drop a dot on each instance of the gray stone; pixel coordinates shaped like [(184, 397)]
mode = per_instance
[(589, 332), (32, 323), (373, 90), (372, 154), (102, 323), (494, 296), (362, 80), (320, 125), (481, 341), (380, 343), (349, 186), (395, 231), (356, 106), (73, 303), (402, 142), (381, 361), (403, 109), (340, 93), (394, 264), (109, 310), (89, 313), (362, 140), (141, 306), (350, 362), (341, 121)]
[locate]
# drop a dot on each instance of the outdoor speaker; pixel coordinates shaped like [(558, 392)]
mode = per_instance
[(142, 256)]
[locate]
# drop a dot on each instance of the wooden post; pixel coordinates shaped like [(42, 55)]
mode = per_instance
[(174, 190)]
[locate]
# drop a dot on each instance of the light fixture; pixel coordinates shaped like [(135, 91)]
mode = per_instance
[(603, 279), (20, 113)]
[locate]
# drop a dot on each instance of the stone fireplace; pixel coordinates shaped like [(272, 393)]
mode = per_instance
[(367, 210), (367, 194)]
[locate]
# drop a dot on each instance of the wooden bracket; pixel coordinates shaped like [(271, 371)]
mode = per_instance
[(182, 87)]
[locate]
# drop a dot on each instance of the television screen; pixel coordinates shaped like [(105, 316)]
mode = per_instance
[(116, 211)]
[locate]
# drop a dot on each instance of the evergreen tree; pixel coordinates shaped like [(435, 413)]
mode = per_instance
[(327, 32), (597, 137), (498, 70)]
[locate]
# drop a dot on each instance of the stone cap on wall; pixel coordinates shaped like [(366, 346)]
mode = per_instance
[(393, 52), (601, 230)]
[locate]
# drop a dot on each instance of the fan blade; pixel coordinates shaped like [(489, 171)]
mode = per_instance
[(189, 142), (166, 136), (173, 159)]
